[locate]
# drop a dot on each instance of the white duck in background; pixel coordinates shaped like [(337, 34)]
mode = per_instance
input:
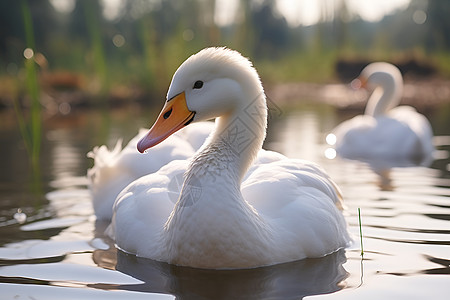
[(227, 213), (114, 170), (386, 135)]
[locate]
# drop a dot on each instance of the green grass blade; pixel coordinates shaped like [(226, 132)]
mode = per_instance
[(33, 139), (360, 232)]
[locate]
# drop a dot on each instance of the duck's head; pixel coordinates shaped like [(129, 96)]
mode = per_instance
[(210, 84), (379, 74)]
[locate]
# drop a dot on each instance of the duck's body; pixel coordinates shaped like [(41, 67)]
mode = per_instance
[(401, 135), (238, 206), (386, 131), (281, 216), (114, 170)]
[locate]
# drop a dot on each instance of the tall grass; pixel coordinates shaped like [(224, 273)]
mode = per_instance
[(149, 54), (303, 66), (92, 15), (31, 131)]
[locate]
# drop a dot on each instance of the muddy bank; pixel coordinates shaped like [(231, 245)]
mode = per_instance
[(423, 94)]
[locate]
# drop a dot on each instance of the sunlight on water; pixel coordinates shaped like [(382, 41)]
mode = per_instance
[(53, 248), (405, 214)]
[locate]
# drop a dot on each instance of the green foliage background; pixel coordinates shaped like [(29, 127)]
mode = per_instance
[(159, 35)]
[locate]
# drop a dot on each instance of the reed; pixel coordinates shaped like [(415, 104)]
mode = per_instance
[(360, 232), (149, 53), (92, 15), (32, 132)]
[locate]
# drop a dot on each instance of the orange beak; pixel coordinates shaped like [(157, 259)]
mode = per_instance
[(174, 116), (360, 82)]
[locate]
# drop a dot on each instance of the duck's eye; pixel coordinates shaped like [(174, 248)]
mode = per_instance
[(198, 84)]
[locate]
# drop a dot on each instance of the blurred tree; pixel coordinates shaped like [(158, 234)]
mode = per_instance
[(92, 17), (439, 19), (271, 31), (158, 34), (12, 32), (341, 19)]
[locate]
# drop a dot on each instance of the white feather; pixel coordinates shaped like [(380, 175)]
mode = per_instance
[(114, 170), (232, 205)]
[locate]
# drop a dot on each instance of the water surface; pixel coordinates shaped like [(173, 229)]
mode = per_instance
[(51, 247)]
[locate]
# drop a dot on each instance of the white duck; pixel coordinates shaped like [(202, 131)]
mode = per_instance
[(227, 213), (114, 170), (387, 134)]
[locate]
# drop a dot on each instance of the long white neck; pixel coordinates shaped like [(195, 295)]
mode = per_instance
[(234, 144), (384, 98), (211, 207)]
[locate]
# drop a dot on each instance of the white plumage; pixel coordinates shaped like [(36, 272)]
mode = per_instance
[(231, 205), (115, 169), (386, 134)]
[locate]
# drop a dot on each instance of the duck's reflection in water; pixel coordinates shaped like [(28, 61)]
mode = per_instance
[(382, 167), (293, 280)]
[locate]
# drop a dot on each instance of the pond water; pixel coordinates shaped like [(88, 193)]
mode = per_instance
[(51, 246)]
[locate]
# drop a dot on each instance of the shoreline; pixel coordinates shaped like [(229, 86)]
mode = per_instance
[(421, 94)]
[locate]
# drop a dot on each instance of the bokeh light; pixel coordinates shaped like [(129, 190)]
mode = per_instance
[(118, 40), (419, 17), (330, 153), (331, 139), (28, 53)]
